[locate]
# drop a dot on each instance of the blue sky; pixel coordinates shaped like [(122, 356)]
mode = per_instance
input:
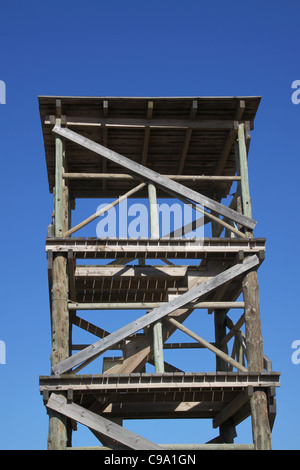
[(143, 48)]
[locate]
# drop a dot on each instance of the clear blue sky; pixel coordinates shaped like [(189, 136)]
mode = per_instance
[(143, 48)]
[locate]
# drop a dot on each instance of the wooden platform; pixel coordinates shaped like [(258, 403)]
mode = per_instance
[(146, 285), (172, 136), (168, 395), (172, 248)]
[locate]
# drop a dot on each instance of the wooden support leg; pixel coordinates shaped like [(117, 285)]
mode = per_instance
[(259, 409), (59, 434), (58, 426), (226, 429)]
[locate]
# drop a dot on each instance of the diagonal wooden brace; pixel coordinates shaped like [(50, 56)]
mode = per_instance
[(94, 350), (99, 424), (165, 183)]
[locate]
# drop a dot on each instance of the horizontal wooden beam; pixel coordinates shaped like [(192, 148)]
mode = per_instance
[(145, 272), (79, 347), (99, 347), (142, 123), (172, 248), (161, 410), (125, 176), (184, 381), (163, 182), (150, 305), (186, 447), (99, 424)]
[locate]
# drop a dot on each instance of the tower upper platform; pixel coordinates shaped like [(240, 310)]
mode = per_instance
[(178, 136)]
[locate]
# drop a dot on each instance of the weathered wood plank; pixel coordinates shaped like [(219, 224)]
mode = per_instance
[(149, 272), (99, 424), (163, 248), (143, 123), (175, 381), (145, 305), (186, 447), (99, 347), (125, 176), (165, 183)]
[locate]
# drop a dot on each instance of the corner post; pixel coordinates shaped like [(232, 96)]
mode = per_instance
[(261, 431), (58, 434)]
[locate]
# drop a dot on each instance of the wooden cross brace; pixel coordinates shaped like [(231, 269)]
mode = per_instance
[(94, 350), (170, 186)]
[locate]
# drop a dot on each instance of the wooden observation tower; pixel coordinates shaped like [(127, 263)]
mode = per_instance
[(153, 287)]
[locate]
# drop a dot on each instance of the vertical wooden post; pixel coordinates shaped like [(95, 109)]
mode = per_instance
[(154, 222), (58, 432), (214, 225), (242, 171), (259, 407), (58, 425), (59, 184), (226, 430), (157, 327)]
